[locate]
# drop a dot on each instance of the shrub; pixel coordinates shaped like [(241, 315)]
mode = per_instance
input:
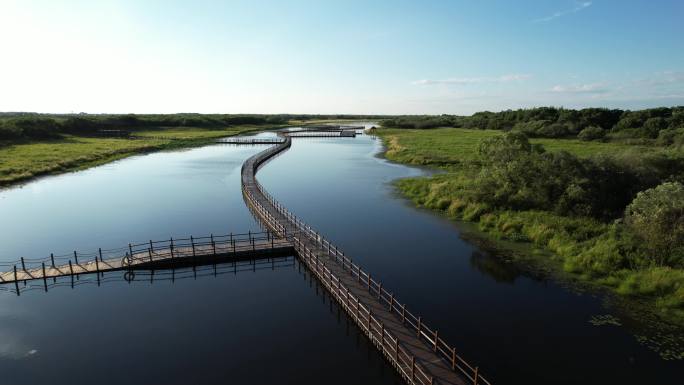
[(591, 133), (657, 216)]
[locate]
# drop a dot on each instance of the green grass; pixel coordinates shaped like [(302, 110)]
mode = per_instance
[(594, 252), (443, 147), (23, 161)]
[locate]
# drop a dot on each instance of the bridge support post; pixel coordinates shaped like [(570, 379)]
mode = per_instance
[(44, 278)]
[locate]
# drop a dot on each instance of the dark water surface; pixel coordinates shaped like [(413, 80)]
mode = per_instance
[(267, 323)]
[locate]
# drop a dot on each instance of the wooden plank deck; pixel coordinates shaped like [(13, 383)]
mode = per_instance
[(416, 351), (154, 254)]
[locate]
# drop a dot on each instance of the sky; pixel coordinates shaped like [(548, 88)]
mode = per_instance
[(335, 57)]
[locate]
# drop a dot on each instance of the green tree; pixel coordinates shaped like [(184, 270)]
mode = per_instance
[(657, 216)]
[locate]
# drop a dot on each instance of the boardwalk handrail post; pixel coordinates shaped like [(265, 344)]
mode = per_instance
[(75, 257), (403, 313), (213, 244), (71, 269), (413, 367), (52, 259), (232, 242), (171, 240), (23, 265), (130, 249), (15, 274), (43, 265), (97, 266), (476, 375), (453, 359), (192, 242), (436, 339), (149, 252), (418, 334), (99, 252), (151, 246)]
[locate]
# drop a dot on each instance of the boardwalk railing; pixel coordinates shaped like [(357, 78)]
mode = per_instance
[(163, 275), (400, 358), (138, 255)]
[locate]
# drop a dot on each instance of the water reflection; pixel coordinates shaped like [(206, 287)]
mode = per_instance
[(494, 267)]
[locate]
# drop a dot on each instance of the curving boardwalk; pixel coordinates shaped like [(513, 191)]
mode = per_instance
[(415, 351)]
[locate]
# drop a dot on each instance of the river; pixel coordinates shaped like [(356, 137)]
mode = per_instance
[(269, 322)]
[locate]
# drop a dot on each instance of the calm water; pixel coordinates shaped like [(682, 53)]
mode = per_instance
[(268, 323)]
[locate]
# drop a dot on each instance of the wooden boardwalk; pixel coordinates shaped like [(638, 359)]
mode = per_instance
[(153, 254), (417, 352), (243, 140)]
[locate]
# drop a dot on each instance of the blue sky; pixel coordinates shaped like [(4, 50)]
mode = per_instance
[(393, 57)]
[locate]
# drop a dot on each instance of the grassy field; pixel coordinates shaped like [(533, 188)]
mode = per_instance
[(23, 161), (581, 248), (443, 147)]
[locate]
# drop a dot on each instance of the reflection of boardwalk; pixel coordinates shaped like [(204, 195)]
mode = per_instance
[(152, 254), (416, 351)]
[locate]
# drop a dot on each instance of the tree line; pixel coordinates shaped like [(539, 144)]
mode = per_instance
[(17, 126), (665, 125)]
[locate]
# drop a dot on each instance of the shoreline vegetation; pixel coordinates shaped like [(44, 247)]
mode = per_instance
[(34, 145), (605, 209)]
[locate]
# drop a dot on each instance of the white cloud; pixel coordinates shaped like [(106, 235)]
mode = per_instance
[(578, 7), (665, 78), (593, 88), (474, 80)]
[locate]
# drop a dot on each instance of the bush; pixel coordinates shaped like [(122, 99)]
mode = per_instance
[(591, 133), (671, 136), (657, 216)]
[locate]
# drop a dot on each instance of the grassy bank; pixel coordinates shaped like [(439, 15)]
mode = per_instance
[(599, 251), (22, 161)]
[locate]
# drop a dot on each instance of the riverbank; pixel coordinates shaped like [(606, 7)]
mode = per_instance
[(586, 249), (21, 161)]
